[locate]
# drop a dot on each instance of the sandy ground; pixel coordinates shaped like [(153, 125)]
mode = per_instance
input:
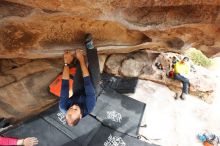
[(173, 122)]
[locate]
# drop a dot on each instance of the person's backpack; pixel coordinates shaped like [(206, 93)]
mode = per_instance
[(171, 74), (55, 86)]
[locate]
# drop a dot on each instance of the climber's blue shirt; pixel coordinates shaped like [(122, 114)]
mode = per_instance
[(85, 100)]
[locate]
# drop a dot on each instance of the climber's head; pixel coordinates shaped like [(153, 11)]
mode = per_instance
[(73, 115)]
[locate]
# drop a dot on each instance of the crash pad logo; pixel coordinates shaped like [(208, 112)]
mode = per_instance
[(61, 117), (114, 141), (114, 116)]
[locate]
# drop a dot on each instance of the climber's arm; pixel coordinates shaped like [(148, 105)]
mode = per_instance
[(67, 60), (81, 58), (63, 104), (89, 89)]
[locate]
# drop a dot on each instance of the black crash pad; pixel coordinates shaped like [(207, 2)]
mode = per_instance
[(119, 112), (105, 136), (47, 134), (121, 85), (81, 133), (51, 130), (109, 137)]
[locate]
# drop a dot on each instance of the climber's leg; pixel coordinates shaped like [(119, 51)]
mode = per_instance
[(93, 61)]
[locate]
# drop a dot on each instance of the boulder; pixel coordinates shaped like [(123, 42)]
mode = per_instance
[(131, 68), (27, 88), (113, 63), (102, 59), (136, 64)]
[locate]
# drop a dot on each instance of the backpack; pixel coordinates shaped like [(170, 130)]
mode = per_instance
[(171, 74), (55, 86)]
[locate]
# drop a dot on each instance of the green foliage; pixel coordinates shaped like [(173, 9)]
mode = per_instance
[(198, 57)]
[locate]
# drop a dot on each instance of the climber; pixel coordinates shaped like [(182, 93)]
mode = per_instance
[(81, 104), (181, 70)]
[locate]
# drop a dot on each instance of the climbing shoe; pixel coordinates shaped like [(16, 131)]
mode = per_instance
[(89, 41)]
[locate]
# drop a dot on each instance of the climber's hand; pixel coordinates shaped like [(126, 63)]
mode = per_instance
[(80, 55), (68, 57)]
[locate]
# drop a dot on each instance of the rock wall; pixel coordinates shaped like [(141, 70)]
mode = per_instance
[(24, 87), (130, 36), (43, 29)]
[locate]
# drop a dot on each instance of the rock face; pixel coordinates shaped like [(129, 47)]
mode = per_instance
[(43, 32), (25, 86), (130, 37), (172, 14), (43, 29)]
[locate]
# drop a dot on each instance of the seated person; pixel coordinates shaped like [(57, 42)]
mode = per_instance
[(78, 105), (181, 71)]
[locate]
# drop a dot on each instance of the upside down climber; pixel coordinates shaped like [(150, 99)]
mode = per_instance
[(75, 106)]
